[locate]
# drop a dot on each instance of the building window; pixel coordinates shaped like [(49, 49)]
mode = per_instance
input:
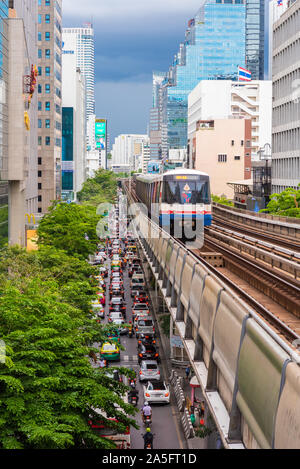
[(39, 210), (47, 3), (40, 71), (222, 158), (242, 143), (47, 19), (39, 141), (39, 186), (40, 54), (47, 141), (39, 123), (58, 142), (248, 144), (47, 71), (39, 88), (39, 36), (237, 158), (232, 143), (47, 88), (47, 123), (47, 105), (39, 174), (47, 53), (39, 160), (40, 19), (39, 198), (47, 36)]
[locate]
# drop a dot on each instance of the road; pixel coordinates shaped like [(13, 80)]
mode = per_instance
[(165, 426)]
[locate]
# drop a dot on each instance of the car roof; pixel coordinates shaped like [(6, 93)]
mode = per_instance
[(150, 362)]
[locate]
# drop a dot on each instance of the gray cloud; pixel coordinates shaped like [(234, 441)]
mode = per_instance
[(132, 38), (126, 105)]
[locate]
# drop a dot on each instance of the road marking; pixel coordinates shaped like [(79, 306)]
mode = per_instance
[(127, 358)]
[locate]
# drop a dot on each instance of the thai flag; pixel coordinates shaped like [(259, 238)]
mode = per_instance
[(279, 3), (244, 75)]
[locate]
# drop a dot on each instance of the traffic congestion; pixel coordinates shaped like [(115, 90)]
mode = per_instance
[(124, 302)]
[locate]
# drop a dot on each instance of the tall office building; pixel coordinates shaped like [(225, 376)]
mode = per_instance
[(158, 125), (286, 100), (22, 117), (49, 102), (255, 38), (3, 123), (81, 42), (213, 49)]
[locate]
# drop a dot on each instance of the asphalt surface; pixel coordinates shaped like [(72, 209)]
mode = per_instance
[(165, 425)]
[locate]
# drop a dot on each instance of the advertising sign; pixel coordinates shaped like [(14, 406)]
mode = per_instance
[(153, 167), (100, 134)]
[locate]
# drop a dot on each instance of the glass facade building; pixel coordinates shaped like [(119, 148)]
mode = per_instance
[(255, 38), (214, 47), (3, 123), (68, 153)]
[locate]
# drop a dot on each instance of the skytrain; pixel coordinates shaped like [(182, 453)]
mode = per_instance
[(180, 197)]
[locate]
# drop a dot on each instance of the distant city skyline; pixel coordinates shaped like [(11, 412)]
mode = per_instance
[(129, 46)]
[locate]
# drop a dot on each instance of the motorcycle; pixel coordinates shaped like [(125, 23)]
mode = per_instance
[(133, 399), (149, 445), (147, 419)]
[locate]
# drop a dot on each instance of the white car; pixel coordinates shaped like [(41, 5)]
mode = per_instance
[(157, 392)]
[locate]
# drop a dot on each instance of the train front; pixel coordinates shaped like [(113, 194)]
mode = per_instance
[(185, 203)]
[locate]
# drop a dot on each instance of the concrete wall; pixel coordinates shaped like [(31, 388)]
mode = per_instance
[(218, 141)]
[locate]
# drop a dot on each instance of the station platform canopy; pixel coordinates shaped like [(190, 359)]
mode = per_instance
[(242, 187)]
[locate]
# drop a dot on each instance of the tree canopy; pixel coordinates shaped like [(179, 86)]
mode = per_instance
[(101, 188), (285, 204)]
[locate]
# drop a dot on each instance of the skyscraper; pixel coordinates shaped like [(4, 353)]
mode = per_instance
[(255, 38), (81, 42), (3, 124), (286, 100), (49, 105), (213, 49)]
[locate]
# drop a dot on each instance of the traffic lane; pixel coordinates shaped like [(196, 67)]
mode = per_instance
[(164, 423)]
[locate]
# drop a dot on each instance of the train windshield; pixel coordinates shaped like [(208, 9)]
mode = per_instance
[(189, 190)]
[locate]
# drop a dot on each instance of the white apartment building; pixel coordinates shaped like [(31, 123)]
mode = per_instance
[(286, 99), (128, 150), (146, 157), (80, 41), (222, 99)]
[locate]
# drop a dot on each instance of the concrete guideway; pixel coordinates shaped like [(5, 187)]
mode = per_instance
[(250, 378)]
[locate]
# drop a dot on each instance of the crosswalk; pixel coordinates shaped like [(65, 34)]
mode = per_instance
[(129, 358)]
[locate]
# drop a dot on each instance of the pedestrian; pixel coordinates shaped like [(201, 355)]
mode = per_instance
[(193, 419), (102, 363), (187, 372), (202, 409)]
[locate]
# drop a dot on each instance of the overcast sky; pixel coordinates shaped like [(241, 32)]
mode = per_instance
[(133, 38)]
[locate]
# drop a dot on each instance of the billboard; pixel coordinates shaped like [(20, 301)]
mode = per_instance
[(100, 134), (154, 167)]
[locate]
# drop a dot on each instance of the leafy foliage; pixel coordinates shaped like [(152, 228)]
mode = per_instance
[(222, 200), (99, 189), (285, 204), (67, 227), (49, 391)]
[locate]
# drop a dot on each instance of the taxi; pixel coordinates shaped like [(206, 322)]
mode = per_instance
[(110, 352), (114, 336)]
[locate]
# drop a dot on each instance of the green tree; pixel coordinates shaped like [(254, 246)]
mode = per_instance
[(67, 227), (286, 204), (101, 188), (48, 389), (222, 200)]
